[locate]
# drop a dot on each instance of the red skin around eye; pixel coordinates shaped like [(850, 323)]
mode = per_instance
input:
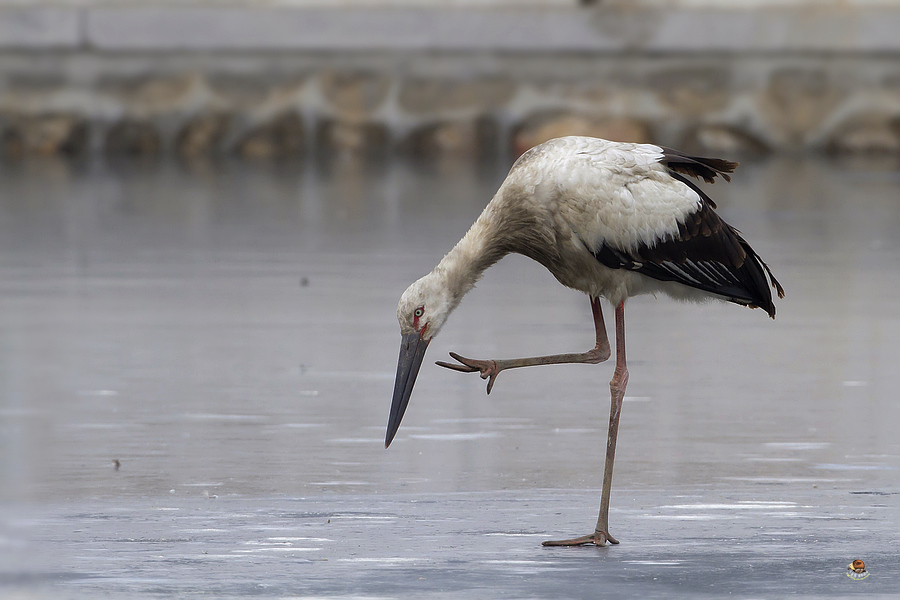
[(416, 326)]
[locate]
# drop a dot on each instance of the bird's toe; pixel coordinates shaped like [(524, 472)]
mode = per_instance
[(598, 538)]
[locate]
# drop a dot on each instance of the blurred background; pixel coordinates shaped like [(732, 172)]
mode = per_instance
[(209, 209), (276, 79)]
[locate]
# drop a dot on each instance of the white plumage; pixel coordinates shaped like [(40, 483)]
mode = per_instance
[(610, 219)]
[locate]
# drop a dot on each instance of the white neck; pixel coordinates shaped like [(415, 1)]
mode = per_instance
[(482, 246)]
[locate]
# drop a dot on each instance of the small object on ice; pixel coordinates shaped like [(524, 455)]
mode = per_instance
[(857, 570)]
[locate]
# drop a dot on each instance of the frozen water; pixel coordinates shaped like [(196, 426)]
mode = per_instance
[(197, 368)]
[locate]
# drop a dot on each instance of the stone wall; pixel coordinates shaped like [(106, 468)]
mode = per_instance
[(150, 81)]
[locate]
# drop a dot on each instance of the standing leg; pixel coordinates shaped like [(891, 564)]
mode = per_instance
[(617, 394)]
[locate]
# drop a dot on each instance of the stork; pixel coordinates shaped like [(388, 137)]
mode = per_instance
[(610, 219)]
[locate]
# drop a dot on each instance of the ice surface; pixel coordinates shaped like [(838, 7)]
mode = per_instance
[(197, 368)]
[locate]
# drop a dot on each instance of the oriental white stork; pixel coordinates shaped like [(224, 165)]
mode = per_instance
[(612, 220)]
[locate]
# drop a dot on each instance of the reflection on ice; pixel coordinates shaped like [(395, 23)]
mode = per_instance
[(787, 479), (455, 437), (224, 417), (736, 506), (275, 549), (691, 517), (333, 483), (798, 445), (382, 561), (839, 467)]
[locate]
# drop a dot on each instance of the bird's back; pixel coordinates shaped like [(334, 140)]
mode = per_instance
[(624, 219)]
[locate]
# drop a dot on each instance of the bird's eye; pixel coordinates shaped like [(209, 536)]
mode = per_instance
[(419, 312)]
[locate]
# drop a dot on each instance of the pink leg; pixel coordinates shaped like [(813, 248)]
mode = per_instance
[(489, 369), (617, 394)]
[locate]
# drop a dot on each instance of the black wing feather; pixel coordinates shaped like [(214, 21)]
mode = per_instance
[(707, 253), (697, 166)]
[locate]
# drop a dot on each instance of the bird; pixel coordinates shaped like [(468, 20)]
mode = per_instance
[(611, 219)]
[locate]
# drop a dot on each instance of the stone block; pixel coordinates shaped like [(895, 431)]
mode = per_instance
[(354, 95), (871, 133), (280, 137), (796, 102), (35, 81), (247, 91), (420, 96), (725, 140), (202, 135), (470, 137), (239, 91), (589, 93), (691, 91), (350, 137), (144, 96), (133, 138), (542, 127), (46, 135)]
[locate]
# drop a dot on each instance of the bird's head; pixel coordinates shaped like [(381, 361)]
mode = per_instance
[(423, 309), (425, 306)]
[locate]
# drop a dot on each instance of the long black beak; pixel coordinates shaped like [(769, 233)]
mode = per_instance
[(412, 351)]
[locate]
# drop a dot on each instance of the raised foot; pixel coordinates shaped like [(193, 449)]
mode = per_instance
[(598, 538), (487, 368)]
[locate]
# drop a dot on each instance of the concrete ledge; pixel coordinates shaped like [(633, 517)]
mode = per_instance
[(593, 30), (37, 28), (166, 28), (271, 82)]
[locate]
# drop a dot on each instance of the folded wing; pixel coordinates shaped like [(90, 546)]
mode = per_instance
[(706, 253)]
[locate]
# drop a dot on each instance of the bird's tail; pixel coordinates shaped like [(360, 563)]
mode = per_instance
[(698, 166)]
